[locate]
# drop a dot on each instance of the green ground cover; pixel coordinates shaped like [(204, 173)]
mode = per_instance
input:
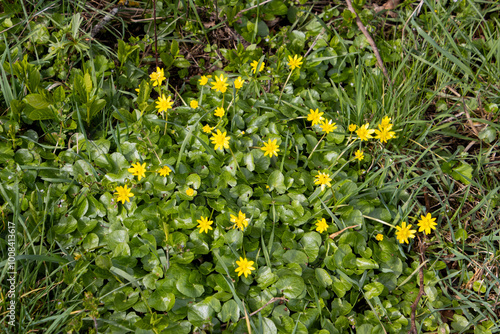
[(257, 174)]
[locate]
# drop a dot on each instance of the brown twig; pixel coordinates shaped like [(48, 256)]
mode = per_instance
[(370, 40), (333, 235), (274, 299), (413, 329)]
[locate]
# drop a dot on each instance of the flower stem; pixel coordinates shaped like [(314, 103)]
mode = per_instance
[(289, 75)]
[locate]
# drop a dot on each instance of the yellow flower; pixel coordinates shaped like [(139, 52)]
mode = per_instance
[(190, 192), (294, 62), (321, 225), (427, 223), (220, 140), (238, 83), (384, 134), (327, 127), (315, 116), (207, 129), (203, 80), (323, 179), (386, 123), (270, 148), (123, 194), (359, 155), (157, 77), (219, 112), (220, 84), (404, 233), (244, 267), (379, 237), (163, 104), (239, 222), (204, 224), (364, 133), (77, 256), (138, 170), (164, 171), (352, 127), (193, 104), (254, 65)]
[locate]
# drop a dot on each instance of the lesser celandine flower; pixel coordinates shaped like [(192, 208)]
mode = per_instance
[(244, 267), (193, 104), (254, 65), (239, 222), (238, 83), (138, 170), (327, 127), (315, 116), (164, 171), (364, 133), (427, 223), (384, 134), (294, 62), (124, 194), (163, 104), (386, 123), (219, 112), (321, 225), (157, 77), (204, 224), (220, 84), (220, 140), (404, 232), (207, 129), (270, 148), (379, 237), (352, 127), (359, 155), (323, 180), (203, 80), (190, 191)]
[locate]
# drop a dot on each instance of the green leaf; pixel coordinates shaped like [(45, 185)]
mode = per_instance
[(295, 256), (488, 134), (199, 314), (431, 292), (162, 300), (234, 238), (174, 48), (23, 156), (182, 63), (189, 289), (41, 114), (311, 241), (87, 80), (230, 311), (265, 277), (91, 241), (291, 286), (65, 225), (276, 182), (373, 289), (341, 286), (460, 323), (37, 101), (193, 180), (366, 264), (297, 40), (323, 277), (463, 173)]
